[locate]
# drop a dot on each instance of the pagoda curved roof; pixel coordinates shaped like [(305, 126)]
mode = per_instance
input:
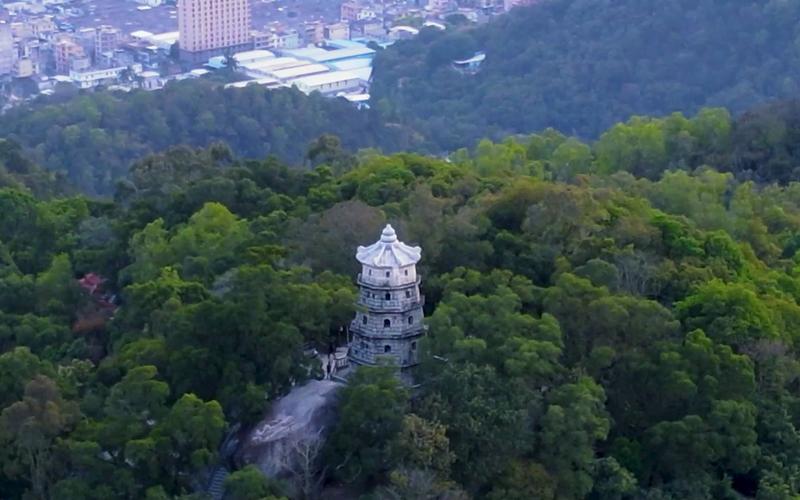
[(388, 251)]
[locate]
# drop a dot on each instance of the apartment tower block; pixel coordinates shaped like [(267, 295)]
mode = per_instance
[(213, 27)]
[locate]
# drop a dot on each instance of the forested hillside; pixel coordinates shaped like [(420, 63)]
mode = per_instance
[(19, 172), (609, 322), (92, 139), (88, 143), (575, 65), (582, 65)]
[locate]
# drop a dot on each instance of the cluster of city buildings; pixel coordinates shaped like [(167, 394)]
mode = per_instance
[(41, 49), (37, 46), (332, 56), (334, 68)]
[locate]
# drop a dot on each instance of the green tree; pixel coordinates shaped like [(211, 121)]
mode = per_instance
[(486, 419), (728, 313), (29, 429), (423, 445), (575, 420), (370, 417), (187, 438), (249, 483), (132, 405), (17, 367), (57, 289)]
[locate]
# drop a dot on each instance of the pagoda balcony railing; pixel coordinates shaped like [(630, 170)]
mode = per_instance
[(382, 283), (399, 305), (372, 359), (386, 332)]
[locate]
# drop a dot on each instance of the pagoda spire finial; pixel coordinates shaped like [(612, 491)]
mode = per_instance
[(388, 235)]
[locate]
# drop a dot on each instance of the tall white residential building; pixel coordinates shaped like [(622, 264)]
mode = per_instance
[(209, 26), (6, 50)]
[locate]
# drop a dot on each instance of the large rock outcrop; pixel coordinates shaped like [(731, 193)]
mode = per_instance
[(291, 434)]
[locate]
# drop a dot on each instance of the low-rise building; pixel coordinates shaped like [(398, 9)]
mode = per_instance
[(264, 82), (21, 31), (337, 30), (253, 56), (291, 39), (64, 52), (341, 44), (80, 64), (42, 27), (92, 78), (313, 32), (86, 37), (287, 74), (348, 11), (351, 64), (470, 65), (285, 39), (353, 11), (276, 38), (329, 83), (29, 60), (347, 54), (368, 28), (402, 32), (165, 41), (320, 55), (435, 25), (106, 40), (217, 62), (150, 80), (360, 100), (261, 39), (24, 68), (261, 69)]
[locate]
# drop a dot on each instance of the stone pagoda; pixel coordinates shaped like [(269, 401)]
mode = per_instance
[(389, 322)]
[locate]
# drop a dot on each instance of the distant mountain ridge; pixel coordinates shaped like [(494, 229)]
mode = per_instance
[(580, 66)]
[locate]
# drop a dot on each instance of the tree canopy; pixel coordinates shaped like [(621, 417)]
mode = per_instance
[(614, 320), (91, 139)]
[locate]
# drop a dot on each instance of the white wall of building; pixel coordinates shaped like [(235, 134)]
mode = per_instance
[(6, 50), (89, 79), (388, 276)]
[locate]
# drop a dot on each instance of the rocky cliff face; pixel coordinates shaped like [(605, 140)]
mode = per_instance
[(288, 439)]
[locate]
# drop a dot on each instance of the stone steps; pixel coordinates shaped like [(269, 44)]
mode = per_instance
[(216, 486)]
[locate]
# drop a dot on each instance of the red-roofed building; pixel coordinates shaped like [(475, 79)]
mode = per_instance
[(91, 282)]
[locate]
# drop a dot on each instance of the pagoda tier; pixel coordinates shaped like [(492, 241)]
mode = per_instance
[(390, 319)]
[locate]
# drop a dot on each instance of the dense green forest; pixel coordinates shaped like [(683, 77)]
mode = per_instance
[(582, 65), (93, 138), (89, 142), (615, 321)]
